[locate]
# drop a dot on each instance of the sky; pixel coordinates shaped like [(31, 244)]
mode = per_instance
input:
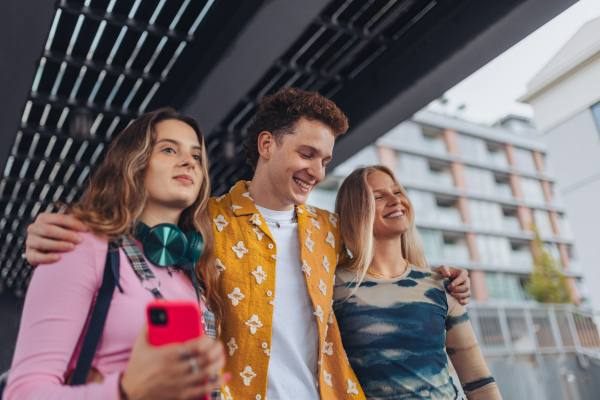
[(505, 78)]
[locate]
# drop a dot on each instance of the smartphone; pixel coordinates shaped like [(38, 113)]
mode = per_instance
[(173, 322)]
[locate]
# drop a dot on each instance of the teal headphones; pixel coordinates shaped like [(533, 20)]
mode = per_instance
[(166, 244)]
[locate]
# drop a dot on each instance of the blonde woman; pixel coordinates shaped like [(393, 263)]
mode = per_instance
[(398, 322)]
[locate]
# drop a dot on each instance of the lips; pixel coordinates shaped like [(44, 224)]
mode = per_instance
[(185, 179)]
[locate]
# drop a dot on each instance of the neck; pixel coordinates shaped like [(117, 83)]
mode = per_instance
[(154, 214), (264, 194), (386, 260)]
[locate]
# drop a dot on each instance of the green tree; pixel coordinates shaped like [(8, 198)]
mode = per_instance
[(546, 282)]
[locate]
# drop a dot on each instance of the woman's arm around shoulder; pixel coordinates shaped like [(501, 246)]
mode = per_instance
[(466, 356), (56, 308)]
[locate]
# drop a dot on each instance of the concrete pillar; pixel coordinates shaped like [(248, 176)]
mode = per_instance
[(525, 218), (539, 161), (547, 191), (479, 286), (571, 280), (458, 174), (451, 139), (515, 185), (387, 157), (463, 207), (564, 255), (510, 155), (554, 222), (472, 246), (573, 291)]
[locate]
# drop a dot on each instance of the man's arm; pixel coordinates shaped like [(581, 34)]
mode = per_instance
[(461, 283), (51, 234)]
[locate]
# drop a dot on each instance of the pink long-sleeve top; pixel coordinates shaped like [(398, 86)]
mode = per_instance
[(56, 310)]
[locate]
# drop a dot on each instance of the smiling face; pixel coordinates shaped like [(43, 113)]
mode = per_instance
[(174, 174), (295, 163), (392, 207)]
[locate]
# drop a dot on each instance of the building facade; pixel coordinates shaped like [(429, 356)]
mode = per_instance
[(565, 96), (476, 191)]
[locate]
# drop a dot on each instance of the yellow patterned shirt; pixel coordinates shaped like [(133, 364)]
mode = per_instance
[(246, 256)]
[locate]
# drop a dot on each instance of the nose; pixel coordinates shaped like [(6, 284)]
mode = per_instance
[(187, 160), (316, 171)]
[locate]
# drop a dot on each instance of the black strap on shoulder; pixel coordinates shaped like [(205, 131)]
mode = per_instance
[(98, 317)]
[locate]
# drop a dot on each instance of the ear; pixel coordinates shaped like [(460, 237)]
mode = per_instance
[(266, 143)]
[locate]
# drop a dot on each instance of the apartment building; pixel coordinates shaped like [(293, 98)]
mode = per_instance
[(476, 191), (565, 96)]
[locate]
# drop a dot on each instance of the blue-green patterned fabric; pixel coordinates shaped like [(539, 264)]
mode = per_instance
[(394, 333)]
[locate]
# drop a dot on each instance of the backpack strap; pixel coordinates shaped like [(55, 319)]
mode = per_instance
[(98, 317)]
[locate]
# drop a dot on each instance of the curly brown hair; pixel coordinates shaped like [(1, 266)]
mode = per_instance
[(278, 114)]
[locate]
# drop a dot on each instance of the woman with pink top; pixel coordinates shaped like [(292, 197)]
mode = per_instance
[(155, 172)]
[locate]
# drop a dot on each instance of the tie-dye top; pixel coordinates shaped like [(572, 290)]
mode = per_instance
[(395, 334)]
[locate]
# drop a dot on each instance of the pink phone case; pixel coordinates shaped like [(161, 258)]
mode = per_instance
[(182, 322)]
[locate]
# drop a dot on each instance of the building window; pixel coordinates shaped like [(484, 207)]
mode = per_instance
[(411, 168), (532, 191), (596, 113), (433, 140), (524, 160), (367, 156), (423, 204), (504, 287), (455, 248), (473, 148), (542, 222), (497, 155), (493, 251), (480, 180), (407, 133), (485, 215), (432, 243)]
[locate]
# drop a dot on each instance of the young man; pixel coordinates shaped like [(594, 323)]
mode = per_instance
[(277, 258)]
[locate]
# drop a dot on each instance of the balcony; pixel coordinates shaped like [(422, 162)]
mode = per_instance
[(433, 145), (511, 224), (522, 259), (535, 329), (442, 179), (456, 253), (448, 216), (504, 191)]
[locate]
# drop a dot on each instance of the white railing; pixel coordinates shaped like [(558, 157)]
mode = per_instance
[(510, 330)]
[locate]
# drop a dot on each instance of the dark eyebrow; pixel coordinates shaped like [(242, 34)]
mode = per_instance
[(175, 142)]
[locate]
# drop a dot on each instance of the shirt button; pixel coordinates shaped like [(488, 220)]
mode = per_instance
[(265, 345), (269, 293), (270, 246)]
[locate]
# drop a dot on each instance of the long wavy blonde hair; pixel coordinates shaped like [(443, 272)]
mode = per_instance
[(116, 196), (356, 207)]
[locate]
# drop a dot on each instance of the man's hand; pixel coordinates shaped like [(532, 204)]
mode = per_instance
[(50, 234), (460, 287)]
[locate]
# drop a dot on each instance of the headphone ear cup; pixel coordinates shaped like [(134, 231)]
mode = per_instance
[(195, 247), (165, 245)]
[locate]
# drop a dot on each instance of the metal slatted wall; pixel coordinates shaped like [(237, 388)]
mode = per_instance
[(107, 56)]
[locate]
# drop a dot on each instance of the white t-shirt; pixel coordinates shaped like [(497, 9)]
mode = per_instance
[(293, 369)]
